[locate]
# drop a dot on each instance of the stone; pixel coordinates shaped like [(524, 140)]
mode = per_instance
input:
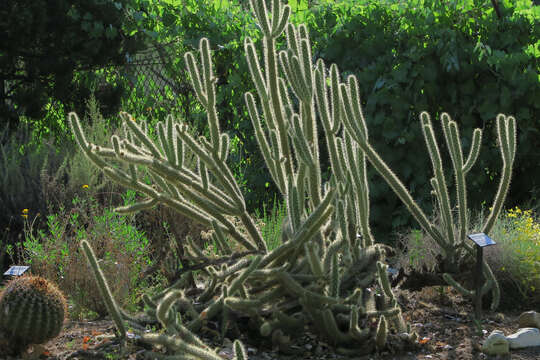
[(526, 337), (529, 319), (496, 344)]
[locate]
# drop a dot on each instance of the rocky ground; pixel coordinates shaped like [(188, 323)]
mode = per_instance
[(439, 316)]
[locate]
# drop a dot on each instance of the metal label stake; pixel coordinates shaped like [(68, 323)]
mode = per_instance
[(481, 240)]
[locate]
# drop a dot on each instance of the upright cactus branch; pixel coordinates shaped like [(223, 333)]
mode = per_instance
[(106, 294)]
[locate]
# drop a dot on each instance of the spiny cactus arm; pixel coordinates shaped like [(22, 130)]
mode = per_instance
[(274, 164), (388, 175), (307, 230), (163, 313), (292, 63), (291, 324), (506, 131), (239, 351), (295, 289), (295, 206), (254, 232), (351, 109), (205, 89), (225, 315), (329, 117), (440, 180), (381, 335), (269, 272), (334, 277), (297, 64), (81, 140), (243, 305), (106, 294), (359, 335), (136, 207), (167, 171), (495, 288), (383, 279), (238, 281), (452, 282), (208, 313), (332, 330), (336, 245), (356, 161), (474, 151), (141, 134), (224, 176), (451, 135), (312, 253), (390, 312), (180, 346), (271, 68)]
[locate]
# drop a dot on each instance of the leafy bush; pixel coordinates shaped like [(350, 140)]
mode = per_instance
[(516, 257), (122, 249)]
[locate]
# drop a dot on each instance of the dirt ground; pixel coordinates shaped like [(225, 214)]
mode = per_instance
[(441, 319)]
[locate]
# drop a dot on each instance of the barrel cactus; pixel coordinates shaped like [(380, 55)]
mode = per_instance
[(32, 311)]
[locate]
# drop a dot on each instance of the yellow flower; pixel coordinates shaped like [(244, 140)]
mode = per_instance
[(85, 186), (24, 216), (25, 211)]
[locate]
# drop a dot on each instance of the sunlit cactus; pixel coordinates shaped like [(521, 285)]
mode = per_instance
[(316, 277)]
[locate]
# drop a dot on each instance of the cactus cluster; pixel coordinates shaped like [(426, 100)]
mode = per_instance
[(32, 311), (450, 233), (329, 273)]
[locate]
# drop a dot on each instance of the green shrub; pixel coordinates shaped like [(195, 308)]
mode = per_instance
[(22, 166), (122, 249), (516, 257)]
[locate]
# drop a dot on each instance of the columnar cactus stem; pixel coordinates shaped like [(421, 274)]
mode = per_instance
[(104, 289)]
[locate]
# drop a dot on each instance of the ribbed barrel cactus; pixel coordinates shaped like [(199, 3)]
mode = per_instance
[(32, 311)]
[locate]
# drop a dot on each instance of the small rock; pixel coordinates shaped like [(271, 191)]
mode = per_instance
[(496, 344), (526, 337), (529, 319), (308, 346)]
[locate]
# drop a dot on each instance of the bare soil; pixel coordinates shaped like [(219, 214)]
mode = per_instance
[(440, 316)]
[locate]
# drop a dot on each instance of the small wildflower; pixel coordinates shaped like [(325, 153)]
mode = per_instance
[(25, 211), (24, 216), (85, 186)]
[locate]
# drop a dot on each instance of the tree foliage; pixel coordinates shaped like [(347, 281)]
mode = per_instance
[(46, 43)]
